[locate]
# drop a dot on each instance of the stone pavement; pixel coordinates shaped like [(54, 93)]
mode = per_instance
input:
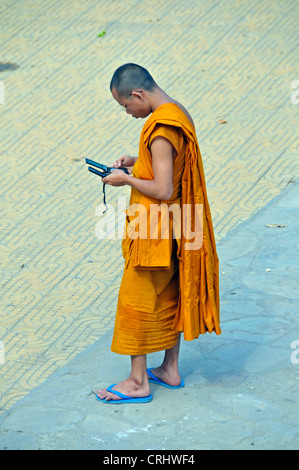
[(233, 65), (241, 388)]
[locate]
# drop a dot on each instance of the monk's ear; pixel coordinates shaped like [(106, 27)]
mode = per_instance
[(138, 94)]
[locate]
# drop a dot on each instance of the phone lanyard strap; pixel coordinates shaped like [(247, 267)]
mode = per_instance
[(104, 198)]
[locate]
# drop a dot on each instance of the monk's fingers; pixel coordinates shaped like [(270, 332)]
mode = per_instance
[(120, 161), (116, 178), (124, 160), (108, 180), (116, 164)]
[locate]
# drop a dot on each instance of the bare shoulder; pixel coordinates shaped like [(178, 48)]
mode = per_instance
[(185, 111)]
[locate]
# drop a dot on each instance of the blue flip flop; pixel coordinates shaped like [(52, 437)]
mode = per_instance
[(155, 380), (124, 398)]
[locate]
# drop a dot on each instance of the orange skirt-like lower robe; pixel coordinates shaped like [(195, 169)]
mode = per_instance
[(147, 305)]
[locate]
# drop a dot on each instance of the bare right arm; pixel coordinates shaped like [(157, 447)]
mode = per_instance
[(161, 187)]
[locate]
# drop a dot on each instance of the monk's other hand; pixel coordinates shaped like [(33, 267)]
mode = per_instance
[(124, 161), (116, 178)]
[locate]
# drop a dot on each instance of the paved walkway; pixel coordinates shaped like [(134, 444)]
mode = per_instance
[(231, 63), (241, 388)]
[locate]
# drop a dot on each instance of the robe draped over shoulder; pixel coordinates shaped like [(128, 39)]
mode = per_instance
[(196, 308)]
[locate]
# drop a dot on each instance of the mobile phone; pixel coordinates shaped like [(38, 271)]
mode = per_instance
[(103, 170)]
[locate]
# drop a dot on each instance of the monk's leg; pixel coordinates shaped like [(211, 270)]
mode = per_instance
[(169, 369), (136, 385)]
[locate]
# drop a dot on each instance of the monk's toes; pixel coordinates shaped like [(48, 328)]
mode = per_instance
[(102, 393)]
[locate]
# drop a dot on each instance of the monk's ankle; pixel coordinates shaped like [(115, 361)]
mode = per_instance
[(139, 381), (170, 368)]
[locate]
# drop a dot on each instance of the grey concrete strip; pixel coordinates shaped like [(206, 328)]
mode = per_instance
[(241, 387)]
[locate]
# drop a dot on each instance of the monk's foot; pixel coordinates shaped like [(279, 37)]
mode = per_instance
[(170, 376), (128, 387)]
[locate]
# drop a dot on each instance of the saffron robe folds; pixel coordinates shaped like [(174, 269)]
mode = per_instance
[(167, 287)]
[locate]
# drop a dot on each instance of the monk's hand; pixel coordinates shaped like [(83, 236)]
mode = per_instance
[(125, 161), (116, 178)]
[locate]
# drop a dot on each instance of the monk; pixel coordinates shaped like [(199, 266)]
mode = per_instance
[(169, 286)]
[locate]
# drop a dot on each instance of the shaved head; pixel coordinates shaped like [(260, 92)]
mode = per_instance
[(131, 77)]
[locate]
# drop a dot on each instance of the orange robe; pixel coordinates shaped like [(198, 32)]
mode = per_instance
[(166, 287)]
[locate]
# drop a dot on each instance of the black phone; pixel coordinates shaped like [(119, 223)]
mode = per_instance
[(103, 170)]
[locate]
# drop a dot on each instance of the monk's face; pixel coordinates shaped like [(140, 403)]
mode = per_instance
[(136, 104)]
